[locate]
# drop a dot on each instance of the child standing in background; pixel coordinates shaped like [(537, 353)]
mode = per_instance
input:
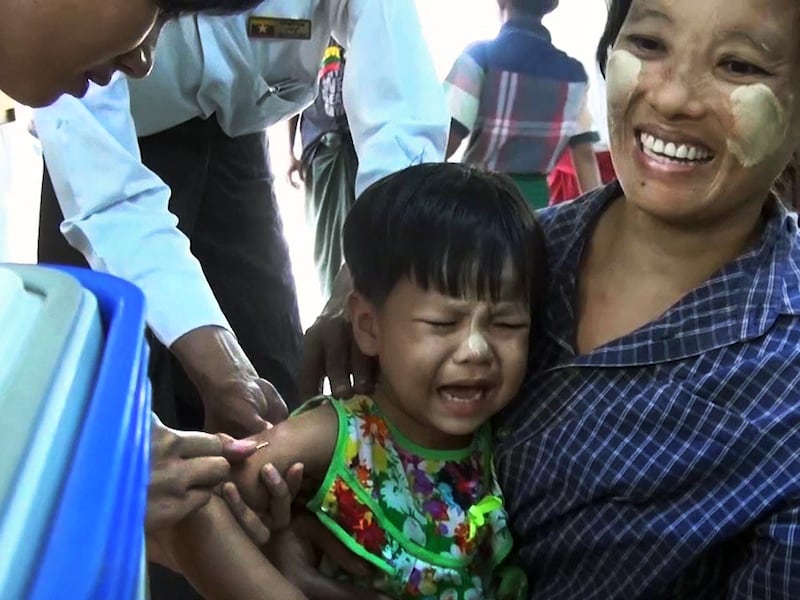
[(522, 102)]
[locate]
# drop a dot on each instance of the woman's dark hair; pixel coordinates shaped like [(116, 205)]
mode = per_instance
[(176, 8), (450, 227), (786, 187), (617, 12)]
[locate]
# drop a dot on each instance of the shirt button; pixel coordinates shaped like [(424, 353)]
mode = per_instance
[(502, 433)]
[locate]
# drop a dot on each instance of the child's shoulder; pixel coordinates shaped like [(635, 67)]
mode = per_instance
[(359, 406)]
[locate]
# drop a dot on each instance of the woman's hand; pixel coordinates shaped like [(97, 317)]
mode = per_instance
[(329, 350), (258, 528), (185, 467), (282, 493), (296, 553)]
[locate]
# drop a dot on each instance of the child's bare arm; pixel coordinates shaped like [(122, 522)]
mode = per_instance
[(309, 438), (209, 546), (220, 561)]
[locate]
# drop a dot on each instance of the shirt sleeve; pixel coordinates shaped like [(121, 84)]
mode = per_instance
[(462, 89), (393, 99), (773, 566), (116, 210)]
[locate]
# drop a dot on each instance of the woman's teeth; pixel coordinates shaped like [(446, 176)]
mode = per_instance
[(657, 148)]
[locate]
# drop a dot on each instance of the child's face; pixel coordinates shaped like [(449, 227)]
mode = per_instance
[(447, 364), (703, 104)]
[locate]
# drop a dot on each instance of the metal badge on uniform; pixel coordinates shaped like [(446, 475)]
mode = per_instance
[(280, 29)]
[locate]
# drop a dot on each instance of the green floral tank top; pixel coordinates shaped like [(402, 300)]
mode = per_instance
[(432, 521)]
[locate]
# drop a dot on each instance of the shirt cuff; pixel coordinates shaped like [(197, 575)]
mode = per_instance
[(180, 305), (587, 137)]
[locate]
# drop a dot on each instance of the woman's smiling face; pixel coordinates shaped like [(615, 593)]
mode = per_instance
[(703, 106)]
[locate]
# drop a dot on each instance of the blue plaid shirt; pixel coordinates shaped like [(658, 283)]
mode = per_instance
[(665, 464)]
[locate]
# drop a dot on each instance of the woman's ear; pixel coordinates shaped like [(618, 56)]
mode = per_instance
[(364, 319)]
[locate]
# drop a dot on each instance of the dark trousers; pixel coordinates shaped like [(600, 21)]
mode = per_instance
[(223, 197), (330, 193)]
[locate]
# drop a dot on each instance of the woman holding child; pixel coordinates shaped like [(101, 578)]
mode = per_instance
[(654, 450)]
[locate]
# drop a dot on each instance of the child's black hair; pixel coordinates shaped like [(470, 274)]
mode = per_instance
[(448, 226)]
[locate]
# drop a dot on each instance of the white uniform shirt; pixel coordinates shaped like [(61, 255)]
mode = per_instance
[(116, 210)]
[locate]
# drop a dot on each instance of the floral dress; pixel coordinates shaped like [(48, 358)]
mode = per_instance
[(432, 521)]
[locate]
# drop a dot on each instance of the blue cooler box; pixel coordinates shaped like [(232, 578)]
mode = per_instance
[(75, 425)]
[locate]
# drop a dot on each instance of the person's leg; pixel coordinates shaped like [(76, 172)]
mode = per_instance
[(330, 193), (238, 240)]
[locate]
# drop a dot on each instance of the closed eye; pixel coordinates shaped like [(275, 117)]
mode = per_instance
[(645, 44), (741, 68), (512, 324), (439, 324)]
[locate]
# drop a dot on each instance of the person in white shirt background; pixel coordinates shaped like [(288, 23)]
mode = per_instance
[(217, 278), (217, 83), (48, 49)]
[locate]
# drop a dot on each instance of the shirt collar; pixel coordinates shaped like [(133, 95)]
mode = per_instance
[(528, 25), (741, 301)]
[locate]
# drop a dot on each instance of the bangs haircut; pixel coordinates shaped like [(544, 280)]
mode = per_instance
[(446, 226), (171, 9), (617, 13)]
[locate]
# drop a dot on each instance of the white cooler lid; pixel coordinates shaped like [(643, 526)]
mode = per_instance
[(51, 342)]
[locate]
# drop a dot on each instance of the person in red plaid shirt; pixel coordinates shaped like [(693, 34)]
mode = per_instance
[(522, 102)]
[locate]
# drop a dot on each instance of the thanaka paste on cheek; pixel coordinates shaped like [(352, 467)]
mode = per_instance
[(477, 342), (622, 79), (759, 122)]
